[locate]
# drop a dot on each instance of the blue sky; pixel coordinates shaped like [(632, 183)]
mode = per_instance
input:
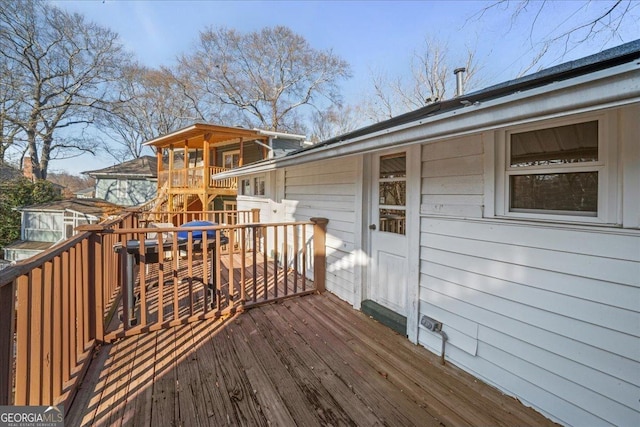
[(370, 35)]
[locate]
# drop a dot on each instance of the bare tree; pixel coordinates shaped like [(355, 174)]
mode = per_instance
[(9, 101), (154, 103), (62, 67), (268, 76), (334, 121), (599, 22), (431, 79)]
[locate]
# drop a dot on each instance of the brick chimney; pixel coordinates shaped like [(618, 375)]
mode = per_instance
[(27, 169)]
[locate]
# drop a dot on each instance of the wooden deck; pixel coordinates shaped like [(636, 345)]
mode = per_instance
[(307, 361)]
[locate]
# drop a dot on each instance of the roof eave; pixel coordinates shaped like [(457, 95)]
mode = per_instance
[(198, 129)]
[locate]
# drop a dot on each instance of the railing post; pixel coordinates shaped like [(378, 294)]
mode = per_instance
[(255, 215), (96, 281), (319, 252), (135, 217), (7, 320)]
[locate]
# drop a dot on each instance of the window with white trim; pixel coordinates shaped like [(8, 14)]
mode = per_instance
[(231, 159), (562, 170), (255, 186), (245, 187), (258, 186)]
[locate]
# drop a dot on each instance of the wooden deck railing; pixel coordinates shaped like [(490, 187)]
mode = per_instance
[(196, 275), (196, 177), (56, 307), (52, 308), (221, 183)]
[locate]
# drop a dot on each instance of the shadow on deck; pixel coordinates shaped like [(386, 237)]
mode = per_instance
[(306, 361)]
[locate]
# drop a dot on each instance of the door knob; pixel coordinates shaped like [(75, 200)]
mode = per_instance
[(372, 227)]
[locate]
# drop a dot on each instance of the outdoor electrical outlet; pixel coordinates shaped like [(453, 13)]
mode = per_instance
[(431, 324)]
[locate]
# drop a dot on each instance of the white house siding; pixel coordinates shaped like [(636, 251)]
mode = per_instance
[(328, 189), (548, 313), (40, 226), (452, 177), (126, 192)]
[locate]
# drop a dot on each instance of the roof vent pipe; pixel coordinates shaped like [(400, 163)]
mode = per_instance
[(459, 72)]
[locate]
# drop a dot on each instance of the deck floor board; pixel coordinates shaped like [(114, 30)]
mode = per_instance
[(311, 360)]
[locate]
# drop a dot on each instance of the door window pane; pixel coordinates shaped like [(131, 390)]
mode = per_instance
[(392, 193), (393, 166), (393, 221)]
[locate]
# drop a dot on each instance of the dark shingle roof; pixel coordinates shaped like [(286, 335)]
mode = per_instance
[(145, 166), (29, 245), (96, 207)]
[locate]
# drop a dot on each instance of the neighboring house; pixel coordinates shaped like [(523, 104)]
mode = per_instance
[(86, 193), (130, 183), (46, 224), (188, 157), (511, 215)]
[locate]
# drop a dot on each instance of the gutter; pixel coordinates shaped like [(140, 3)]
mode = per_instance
[(280, 134)]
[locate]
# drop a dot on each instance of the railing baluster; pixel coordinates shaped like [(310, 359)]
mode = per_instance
[(96, 294), (176, 254), (66, 321), (304, 258), (124, 278), (230, 245), (295, 259), (7, 320), (79, 266), (35, 337), (190, 269), (57, 346), (265, 274), (218, 287), (23, 382), (285, 264), (142, 290), (254, 262), (161, 265), (86, 321), (47, 323), (206, 265), (275, 261), (243, 294)]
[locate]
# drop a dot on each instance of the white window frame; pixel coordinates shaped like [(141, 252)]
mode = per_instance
[(255, 182), (230, 153), (244, 186), (252, 188), (606, 166)]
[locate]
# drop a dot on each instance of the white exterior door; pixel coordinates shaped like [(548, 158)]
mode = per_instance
[(388, 228)]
